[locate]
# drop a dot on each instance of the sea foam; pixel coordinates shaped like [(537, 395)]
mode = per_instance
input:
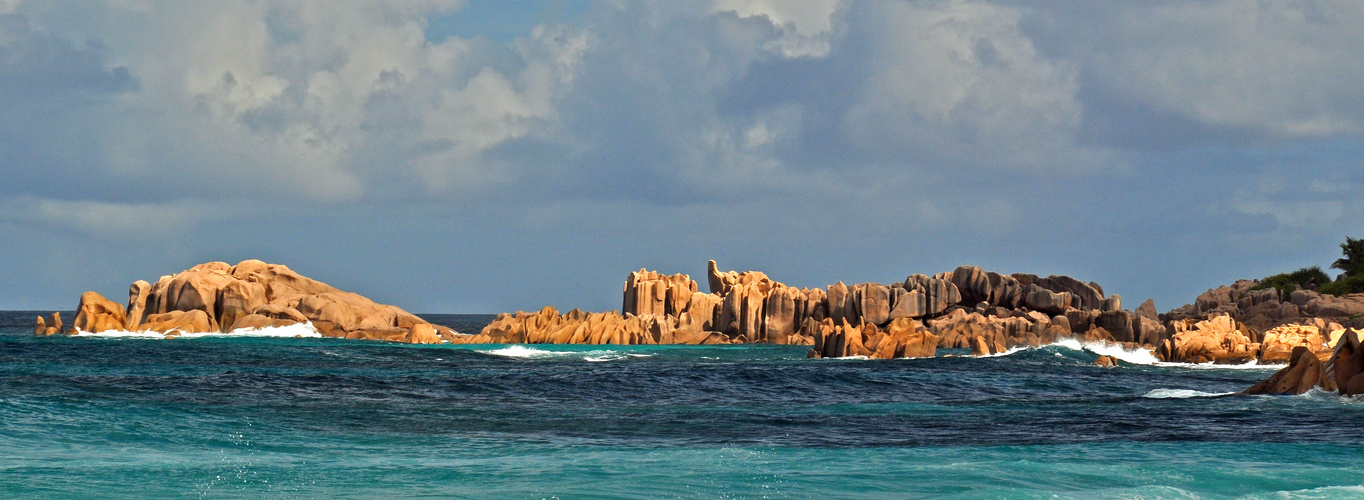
[(305, 330), (1182, 394), (595, 356)]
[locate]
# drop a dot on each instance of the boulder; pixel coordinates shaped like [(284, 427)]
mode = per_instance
[(1348, 364), (95, 314), (1216, 340), (1090, 298), (874, 303), (1116, 322), (256, 322), (939, 294), (1106, 361), (1112, 303), (237, 299), (137, 304), (1148, 310), (905, 338), (908, 304), (649, 292), (1047, 301), (192, 321), (780, 316), (1304, 371), (1280, 342), (973, 284), (841, 306)]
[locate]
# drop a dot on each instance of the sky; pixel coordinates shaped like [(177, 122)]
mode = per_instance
[(487, 156)]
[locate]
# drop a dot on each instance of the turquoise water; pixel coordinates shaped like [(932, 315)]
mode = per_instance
[(304, 418)]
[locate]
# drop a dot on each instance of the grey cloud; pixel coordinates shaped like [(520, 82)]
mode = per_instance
[(40, 65), (478, 176)]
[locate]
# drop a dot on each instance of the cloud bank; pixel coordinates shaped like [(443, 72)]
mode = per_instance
[(1158, 148)]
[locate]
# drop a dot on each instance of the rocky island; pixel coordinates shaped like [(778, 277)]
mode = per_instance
[(969, 308), (218, 297)]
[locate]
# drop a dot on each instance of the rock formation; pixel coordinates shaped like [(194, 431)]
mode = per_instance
[(217, 297), (1220, 339), (965, 308), (1340, 369)]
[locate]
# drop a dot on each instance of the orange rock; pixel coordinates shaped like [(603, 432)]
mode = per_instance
[(97, 314), (237, 299), (1304, 372), (256, 322), (137, 304), (1106, 361), (1217, 340), (979, 347), (1280, 342), (192, 321), (1348, 363)]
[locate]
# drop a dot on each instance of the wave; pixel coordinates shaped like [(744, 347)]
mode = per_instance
[(525, 352), (1138, 356), (1182, 394), (305, 330)]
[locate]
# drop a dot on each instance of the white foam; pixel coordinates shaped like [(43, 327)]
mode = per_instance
[(295, 330), (1182, 394), (597, 356), (304, 330), (1138, 356), (521, 351), (1250, 365)]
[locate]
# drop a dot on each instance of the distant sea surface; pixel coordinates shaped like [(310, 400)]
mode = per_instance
[(128, 417)]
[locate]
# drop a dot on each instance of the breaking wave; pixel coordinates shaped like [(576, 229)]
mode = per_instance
[(525, 352), (1138, 356), (1182, 394), (304, 330)]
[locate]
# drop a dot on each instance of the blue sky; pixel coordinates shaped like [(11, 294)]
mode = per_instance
[(453, 156)]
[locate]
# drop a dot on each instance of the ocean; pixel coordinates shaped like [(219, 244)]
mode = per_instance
[(285, 417)]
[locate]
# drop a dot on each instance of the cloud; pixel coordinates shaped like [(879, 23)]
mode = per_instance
[(1217, 70), (835, 140), (35, 65)]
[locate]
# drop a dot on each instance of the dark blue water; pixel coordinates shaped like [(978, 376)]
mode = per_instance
[(305, 417)]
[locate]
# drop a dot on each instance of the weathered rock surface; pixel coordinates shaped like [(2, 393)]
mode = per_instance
[(95, 313), (218, 297), (1338, 370), (1216, 340), (1304, 372), (1280, 342), (1106, 361)]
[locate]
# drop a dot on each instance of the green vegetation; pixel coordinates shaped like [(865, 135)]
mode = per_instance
[(1352, 284), (1307, 278), (1353, 261)]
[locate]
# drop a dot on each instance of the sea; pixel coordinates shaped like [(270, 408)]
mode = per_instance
[(284, 414)]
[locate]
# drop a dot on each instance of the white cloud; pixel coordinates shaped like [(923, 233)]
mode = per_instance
[(1283, 68)]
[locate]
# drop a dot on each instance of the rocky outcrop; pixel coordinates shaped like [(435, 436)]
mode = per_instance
[(1280, 342), (218, 297), (1106, 362), (1220, 340), (95, 313), (548, 326), (965, 308), (1340, 369), (49, 327)]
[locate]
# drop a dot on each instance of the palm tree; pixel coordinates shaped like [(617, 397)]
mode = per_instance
[(1353, 261)]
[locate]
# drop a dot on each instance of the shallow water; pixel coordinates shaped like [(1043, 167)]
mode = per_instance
[(313, 417)]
